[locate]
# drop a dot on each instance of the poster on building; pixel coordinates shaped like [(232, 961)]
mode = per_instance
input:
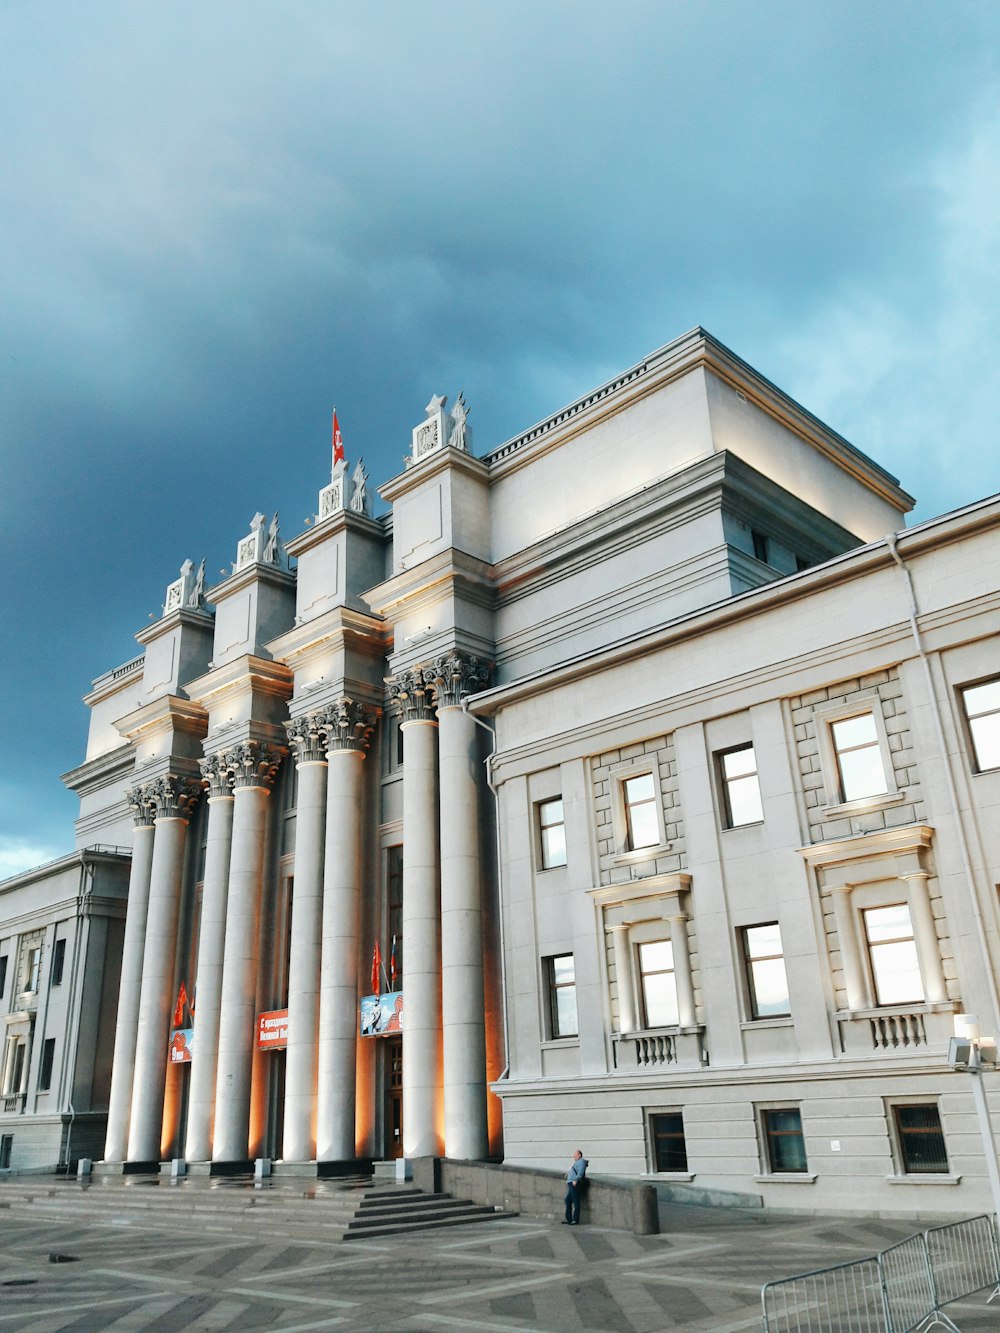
[(181, 1040), (382, 1015), (272, 1030)]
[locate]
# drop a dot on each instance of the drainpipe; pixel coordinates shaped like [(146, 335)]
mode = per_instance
[(891, 542), (491, 732)]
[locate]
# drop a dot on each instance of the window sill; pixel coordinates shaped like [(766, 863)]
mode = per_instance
[(669, 1177), (548, 870), (923, 1178), (641, 854), (864, 805), (735, 828), (778, 1021), (787, 1178), (556, 1043), (899, 1010)]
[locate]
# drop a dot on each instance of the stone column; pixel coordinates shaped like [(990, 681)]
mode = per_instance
[(130, 985), (622, 945), (410, 695), (855, 976), (253, 766), (686, 1017), (348, 732), (925, 937), (466, 1134), (173, 799), (211, 943), (307, 740)]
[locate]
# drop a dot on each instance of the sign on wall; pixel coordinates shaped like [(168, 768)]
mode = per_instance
[(382, 1015), (272, 1030)]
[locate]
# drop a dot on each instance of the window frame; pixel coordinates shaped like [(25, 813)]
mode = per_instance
[(637, 946), (541, 828), (748, 961), (871, 945), (766, 1136), (552, 988), (3, 973), (724, 783), (663, 1113), (46, 1065), (58, 962), (899, 1138), (824, 716), (620, 774), (967, 721)]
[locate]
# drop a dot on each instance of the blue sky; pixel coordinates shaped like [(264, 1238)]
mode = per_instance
[(218, 221)]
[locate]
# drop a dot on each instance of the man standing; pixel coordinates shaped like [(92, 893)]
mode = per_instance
[(574, 1185)]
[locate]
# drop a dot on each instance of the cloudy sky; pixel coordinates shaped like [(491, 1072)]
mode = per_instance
[(219, 220)]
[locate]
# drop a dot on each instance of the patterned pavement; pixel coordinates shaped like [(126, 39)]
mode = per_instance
[(163, 1267)]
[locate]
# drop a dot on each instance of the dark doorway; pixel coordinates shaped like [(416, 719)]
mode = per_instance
[(393, 1057)]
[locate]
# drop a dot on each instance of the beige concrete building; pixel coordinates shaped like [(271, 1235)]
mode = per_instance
[(660, 773)]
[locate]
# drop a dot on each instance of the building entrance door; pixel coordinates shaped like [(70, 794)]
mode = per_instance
[(393, 1097)]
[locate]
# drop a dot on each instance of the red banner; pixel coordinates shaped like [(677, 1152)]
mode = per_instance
[(272, 1030)]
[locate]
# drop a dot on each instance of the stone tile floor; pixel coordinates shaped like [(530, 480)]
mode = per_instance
[(162, 1269)]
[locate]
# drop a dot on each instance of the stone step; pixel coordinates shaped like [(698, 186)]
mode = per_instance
[(463, 1217), (419, 1211)]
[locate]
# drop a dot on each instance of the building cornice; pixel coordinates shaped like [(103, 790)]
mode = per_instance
[(432, 465), (261, 675), (425, 583), (169, 712), (116, 679), (99, 772), (863, 846), (257, 571), (81, 858), (341, 520), (181, 616)]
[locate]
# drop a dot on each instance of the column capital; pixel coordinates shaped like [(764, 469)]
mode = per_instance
[(306, 736), (457, 674), (410, 694), (216, 775), (173, 797), (348, 725), (140, 806), (253, 764)]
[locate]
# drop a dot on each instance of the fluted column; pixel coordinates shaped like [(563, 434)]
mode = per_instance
[(130, 984), (466, 1133), (211, 943), (254, 766), (348, 732), (410, 695), (307, 740), (172, 798)]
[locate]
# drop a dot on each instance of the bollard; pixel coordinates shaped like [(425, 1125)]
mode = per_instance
[(178, 1168), (262, 1168), (84, 1167)]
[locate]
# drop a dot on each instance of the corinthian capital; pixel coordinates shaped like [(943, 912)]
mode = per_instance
[(173, 797), (456, 675), (253, 764), (411, 694), (306, 736), (140, 806), (349, 725), (216, 775)]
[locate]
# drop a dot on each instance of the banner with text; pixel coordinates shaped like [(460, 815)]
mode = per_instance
[(272, 1030)]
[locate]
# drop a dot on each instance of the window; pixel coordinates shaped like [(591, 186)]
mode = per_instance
[(16, 1069), (48, 1057), (641, 826), (919, 1139), (740, 788), (860, 768), (893, 954), (32, 967), (6, 1146), (982, 713), (666, 1134), (562, 996), (3, 974), (58, 960), (760, 547), (394, 909), (392, 745), (784, 1147), (552, 833), (658, 984), (765, 971)]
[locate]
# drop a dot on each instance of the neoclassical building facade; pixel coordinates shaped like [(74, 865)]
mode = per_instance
[(634, 785)]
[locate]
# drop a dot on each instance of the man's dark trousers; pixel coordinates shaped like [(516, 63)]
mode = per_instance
[(573, 1203)]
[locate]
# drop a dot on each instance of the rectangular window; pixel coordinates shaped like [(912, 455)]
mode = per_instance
[(859, 757), (760, 545), (659, 985), (765, 971), (3, 974), (666, 1132), (552, 833), (58, 961), (893, 954), (641, 825), (562, 996), (394, 910), (48, 1058), (6, 1147), (982, 712), (920, 1139), (32, 967), (784, 1146), (740, 788)]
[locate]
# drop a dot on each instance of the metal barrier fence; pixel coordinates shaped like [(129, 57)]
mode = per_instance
[(899, 1290)]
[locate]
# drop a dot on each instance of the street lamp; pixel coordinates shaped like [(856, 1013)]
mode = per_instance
[(969, 1051)]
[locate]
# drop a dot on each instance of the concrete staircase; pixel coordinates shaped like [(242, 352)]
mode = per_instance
[(385, 1212)]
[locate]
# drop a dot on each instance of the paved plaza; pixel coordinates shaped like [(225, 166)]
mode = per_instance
[(131, 1256)]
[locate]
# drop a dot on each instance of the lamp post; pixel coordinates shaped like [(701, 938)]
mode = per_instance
[(968, 1050)]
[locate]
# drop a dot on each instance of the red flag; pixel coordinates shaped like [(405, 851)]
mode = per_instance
[(376, 969), (392, 965), (179, 1007), (338, 441)]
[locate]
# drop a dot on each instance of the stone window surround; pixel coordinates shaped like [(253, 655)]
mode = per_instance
[(617, 777), (824, 715), (966, 725), (750, 1020), (651, 1173), (900, 1176), (655, 913), (766, 1175), (537, 842)]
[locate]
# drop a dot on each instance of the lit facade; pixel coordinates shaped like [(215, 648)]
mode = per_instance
[(672, 773)]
